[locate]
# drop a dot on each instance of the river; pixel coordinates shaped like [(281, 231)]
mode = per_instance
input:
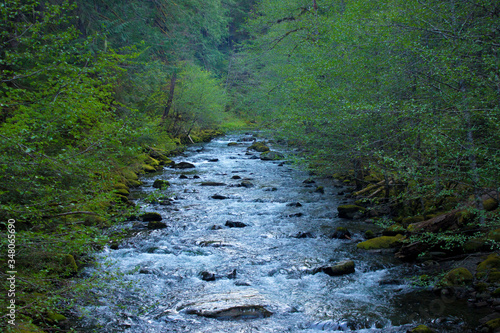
[(200, 275)]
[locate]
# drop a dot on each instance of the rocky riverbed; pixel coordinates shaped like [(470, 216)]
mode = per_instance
[(242, 241)]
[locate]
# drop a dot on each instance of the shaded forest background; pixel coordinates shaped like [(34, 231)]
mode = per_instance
[(402, 96)]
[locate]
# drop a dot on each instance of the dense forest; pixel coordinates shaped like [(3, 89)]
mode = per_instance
[(398, 99)]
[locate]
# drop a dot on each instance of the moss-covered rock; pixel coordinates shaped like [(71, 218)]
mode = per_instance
[(69, 265), (490, 204), (320, 189), (161, 184), (271, 156), (259, 146), (456, 277), (54, 318), (350, 211), (394, 230), (474, 245), (151, 216), (488, 266), (493, 325), (122, 191), (94, 220), (494, 235), (121, 186), (341, 233), (148, 168), (337, 269), (383, 242), (369, 234), (231, 144), (421, 329)]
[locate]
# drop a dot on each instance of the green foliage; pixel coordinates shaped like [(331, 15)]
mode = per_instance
[(402, 88), (199, 101)]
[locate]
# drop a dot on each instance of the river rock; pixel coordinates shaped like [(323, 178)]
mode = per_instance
[(303, 235), (151, 216), (212, 184), (337, 269), (183, 176), (236, 177), (341, 233), (213, 160), (259, 146), (246, 184), (271, 156), (235, 224), (294, 204), (244, 304), (183, 165), (219, 197), (161, 183), (350, 211)]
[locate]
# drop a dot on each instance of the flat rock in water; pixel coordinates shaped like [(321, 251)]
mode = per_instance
[(212, 184), (245, 304)]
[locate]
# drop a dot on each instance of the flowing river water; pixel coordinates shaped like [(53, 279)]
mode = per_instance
[(199, 275)]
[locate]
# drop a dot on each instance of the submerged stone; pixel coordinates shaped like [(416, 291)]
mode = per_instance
[(235, 224), (183, 165)]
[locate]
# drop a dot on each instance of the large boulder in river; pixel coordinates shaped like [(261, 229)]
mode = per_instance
[(271, 156), (340, 268)]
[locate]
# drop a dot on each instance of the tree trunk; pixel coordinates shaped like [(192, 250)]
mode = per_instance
[(166, 111)]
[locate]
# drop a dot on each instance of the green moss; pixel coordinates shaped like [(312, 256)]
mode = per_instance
[(148, 168), (259, 146), (94, 220), (394, 230), (369, 234), (161, 183), (123, 192), (488, 266), (120, 186), (490, 204), (457, 277), (465, 217), (496, 293), (230, 144), (493, 324), (493, 277), (474, 245), (494, 235), (383, 242), (128, 174), (53, 317), (421, 329)]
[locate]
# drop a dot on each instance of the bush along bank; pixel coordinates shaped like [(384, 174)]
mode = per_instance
[(460, 240), (52, 250)]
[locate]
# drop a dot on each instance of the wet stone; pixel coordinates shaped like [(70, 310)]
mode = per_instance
[(219, 197), (245, 304), (235, 224)]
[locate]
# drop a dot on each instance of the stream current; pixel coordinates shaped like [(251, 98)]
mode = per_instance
[(199, 275)]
